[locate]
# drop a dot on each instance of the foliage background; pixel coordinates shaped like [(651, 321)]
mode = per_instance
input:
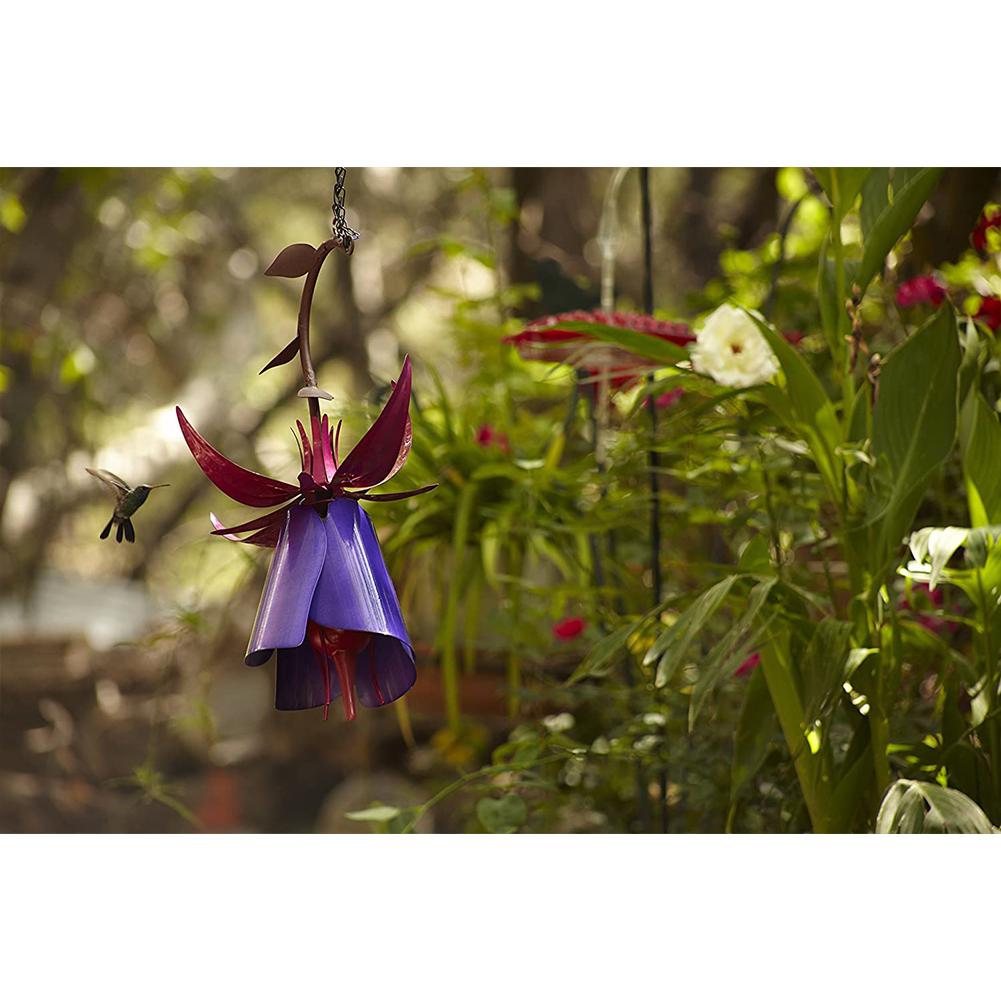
[(123, 701)]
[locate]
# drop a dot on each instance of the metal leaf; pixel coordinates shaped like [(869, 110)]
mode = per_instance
[(284, 356), (293, 262)]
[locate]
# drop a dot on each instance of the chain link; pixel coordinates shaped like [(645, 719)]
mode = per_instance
[(342, 232)]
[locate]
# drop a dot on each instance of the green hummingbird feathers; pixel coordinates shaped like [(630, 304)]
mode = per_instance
[(128, 500)]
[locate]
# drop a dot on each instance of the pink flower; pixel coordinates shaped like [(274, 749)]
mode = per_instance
[(925, 603), (990, 312), (924, 288), (749, 665), (487, 437), (988, 221), (568, 629)]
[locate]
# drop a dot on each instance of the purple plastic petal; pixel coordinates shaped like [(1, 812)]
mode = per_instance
[(243, 485), (384, 447), (354, 590), (299, 682), (295, 569), (384, 671)]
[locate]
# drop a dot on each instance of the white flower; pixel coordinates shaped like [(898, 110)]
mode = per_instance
[(731, 349)]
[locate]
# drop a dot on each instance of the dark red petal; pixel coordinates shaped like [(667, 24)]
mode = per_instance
[(284, 356), (327, 450), (243, 485), (263, 522), (267, 537), (307, 451), (403, 494), (384, 447), (337, 444), (318, 472)]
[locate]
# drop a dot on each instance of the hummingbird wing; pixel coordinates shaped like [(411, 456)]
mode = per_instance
[(112, 482)]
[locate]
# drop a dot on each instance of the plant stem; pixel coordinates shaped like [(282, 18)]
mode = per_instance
[(653, 458), (990, 669), (305, 307)]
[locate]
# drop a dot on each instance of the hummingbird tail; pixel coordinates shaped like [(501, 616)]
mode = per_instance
[(121, 530), (130, 532), (107, 528)]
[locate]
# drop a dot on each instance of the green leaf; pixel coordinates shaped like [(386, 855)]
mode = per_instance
[(981, 449), (603, 655), (672, 645), (755, 730), (812, 410), (645, 345), (914, 422), (911, 807), (824, 667), (889, 208), (502, 816), (841, 185), (728, 653)]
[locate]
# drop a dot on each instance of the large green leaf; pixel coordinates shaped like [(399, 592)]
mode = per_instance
[(914, 423), (981, 447), (890, 204), (811, 408), (756, 729), (911, 807), (841, 185), (825, 666)]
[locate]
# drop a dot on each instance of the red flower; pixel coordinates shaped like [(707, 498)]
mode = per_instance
[(990, 312), (987, 221), (568, 629), (924, 288), (924, 604), (665, 400), (747, 666), (487, 437), (793, 337), (544, 340)]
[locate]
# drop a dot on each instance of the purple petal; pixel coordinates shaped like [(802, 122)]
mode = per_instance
[(243, 485), (288, 591), (299, 680), (383, 448), (384, 671), (354, 590)]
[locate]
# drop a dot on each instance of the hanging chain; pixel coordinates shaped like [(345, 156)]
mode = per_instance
[(343, 233)]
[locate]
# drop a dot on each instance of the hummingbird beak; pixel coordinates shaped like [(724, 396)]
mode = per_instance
[(155, 485)]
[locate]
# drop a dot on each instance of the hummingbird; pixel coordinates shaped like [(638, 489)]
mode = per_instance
[(128, 500)]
